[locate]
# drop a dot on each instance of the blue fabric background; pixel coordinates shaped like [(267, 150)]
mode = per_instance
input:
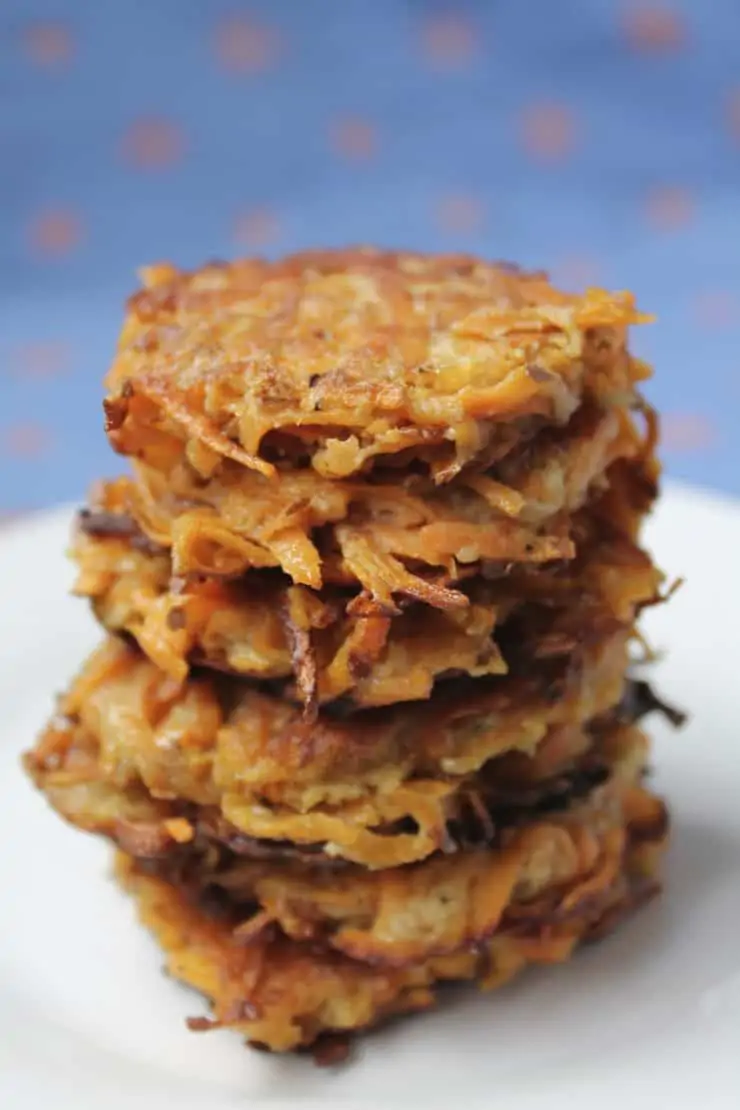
[(600, 139)]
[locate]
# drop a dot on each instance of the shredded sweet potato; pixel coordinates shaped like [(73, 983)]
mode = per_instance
[(350, 785), (283, 992), (332, 644), (349, 358), (363, 722), (397, 916), (398, 538)]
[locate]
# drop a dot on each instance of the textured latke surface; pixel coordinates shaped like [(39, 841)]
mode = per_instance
[(338, 357), (402, 915), (285, 993), (351, 785), (337, 643), (264, 627), (400, 538)]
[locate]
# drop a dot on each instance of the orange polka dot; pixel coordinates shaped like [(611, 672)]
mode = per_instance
[(669, 207), (460, 214), (652, 27), (55, 232), (687, 431), (548, 131), (40, 360), (448, 41), (354, 138), (576, 271), (49, 45), (256, 227), (153, 143), (26, 441), (717, 308), (245, 46)]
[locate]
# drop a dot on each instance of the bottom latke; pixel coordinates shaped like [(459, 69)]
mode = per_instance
[(285, 994)]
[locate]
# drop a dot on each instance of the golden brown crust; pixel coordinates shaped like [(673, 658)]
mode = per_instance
[(350, 785), (346, 357), (267, 629), (335, 643), (399, 916), (285, 993), (567, 766), (400, 537)]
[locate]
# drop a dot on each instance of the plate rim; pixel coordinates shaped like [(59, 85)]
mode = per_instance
[(577, 1091)]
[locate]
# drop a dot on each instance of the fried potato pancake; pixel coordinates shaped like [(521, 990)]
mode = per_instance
[(399, 537), (543, 838), (284, 993), (363, 722), (266, 628), (402, 915), (378, 788), (335, 643), (341, 359)]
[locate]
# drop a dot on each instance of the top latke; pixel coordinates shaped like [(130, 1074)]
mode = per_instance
[(334, 359)]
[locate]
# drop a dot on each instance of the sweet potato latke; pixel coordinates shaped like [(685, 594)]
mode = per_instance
[(400, 915), (379, 789), (341, 359), (531, 902), (363, 721), (535, 819), (395, 536), (337, 643)]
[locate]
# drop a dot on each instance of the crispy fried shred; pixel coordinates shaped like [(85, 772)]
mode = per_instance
[(247, 932), (349, 358), (395, 536), (401, 915), (337, 643), (394, 938), (378, 788)]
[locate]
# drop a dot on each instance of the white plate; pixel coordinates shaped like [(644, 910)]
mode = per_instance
[(652, 1015)]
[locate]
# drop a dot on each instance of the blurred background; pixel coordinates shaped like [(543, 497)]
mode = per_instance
[(599, 138)]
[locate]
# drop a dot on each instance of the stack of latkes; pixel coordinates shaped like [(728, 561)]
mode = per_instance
[(362, 722)]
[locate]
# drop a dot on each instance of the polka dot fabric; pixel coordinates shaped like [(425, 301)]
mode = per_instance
[(602, 144)]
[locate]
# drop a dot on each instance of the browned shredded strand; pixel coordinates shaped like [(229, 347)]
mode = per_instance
[(335, 643), (285, 993), (377, 788), (349, 358)]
